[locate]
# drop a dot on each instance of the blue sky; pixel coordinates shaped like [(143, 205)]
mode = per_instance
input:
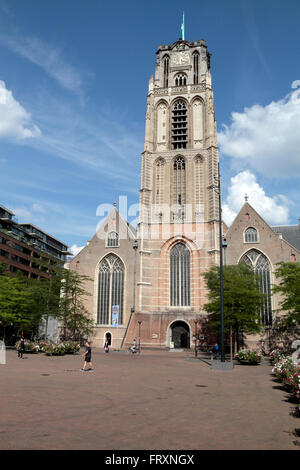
[(73, 84)]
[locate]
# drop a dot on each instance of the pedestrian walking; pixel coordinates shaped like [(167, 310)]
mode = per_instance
[(106, 346), (133, 348), (87, 358), (21, 348), (215, 350)]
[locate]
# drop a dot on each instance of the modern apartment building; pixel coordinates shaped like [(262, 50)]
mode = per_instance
[(23, 246)]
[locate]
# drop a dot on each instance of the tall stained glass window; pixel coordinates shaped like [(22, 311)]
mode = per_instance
[(111, 288), (180, 275), (113, 239), (261, 266), (251, 235)]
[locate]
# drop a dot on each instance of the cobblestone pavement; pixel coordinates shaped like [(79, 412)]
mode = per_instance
[(153, 401)]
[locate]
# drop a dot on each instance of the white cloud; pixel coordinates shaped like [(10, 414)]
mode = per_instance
[(22, 212), (47, 57), (74, 249), (37, 208), (266, 138), (274, 210), (15, 121)]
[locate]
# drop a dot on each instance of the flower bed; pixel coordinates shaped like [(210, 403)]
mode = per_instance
[(42, 346), (247, 356), (55, 350), (288, 373), (30, 346), (51, 349), (276, 355), (71, 347)]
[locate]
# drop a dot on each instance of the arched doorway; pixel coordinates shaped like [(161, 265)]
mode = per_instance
[(180, 335), (108, 338)]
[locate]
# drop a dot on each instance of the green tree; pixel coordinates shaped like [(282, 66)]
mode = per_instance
[(289, 287), (17, 305), (24, 301), (74, 316), (242, 300), (46, 291)]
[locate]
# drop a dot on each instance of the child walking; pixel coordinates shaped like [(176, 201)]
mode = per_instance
[(21, 348), (87, 357)]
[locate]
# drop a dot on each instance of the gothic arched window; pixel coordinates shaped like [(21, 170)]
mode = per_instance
[(159, 180), (179, 125), (251, 235), (110, 289), (180, 275), (179, 181), (260, 265), (199, 180), (161, 125), (196, 67), (180, 79), (113, 239), (166, 61)]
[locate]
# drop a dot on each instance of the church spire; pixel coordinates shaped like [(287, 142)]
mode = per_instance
[(182, 28)]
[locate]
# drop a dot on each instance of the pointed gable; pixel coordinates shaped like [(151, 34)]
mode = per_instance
[(249, 230), (114, 222)]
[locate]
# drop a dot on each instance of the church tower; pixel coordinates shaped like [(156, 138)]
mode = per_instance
[(178, 227)]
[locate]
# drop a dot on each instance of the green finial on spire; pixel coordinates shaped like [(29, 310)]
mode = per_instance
[(182, 28)]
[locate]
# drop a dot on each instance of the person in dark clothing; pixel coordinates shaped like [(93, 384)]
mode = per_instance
[(134, 347), (87, 357), (21, 348)]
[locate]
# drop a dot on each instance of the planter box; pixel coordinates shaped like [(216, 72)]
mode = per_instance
[(248, 363)]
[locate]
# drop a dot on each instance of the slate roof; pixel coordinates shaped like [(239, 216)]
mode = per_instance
[(290, 233)]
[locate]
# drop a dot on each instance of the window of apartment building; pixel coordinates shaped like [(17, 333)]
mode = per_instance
[(19, 259), (22, 249), (4, 253)]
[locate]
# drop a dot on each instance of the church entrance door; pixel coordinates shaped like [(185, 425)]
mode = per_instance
[(180, 335), (108, 337)]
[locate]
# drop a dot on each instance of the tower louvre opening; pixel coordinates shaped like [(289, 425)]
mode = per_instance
[(179, 125)]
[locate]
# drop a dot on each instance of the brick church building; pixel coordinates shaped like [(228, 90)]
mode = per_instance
[(152, 276)]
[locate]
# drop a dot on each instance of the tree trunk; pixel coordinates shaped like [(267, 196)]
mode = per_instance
[(237, 334), (46, 328)]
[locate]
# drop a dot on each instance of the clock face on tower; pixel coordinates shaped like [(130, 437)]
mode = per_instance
[(180, 58)]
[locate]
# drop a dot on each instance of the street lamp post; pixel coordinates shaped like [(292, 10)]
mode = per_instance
[(221, 268), (135, 246), (139, 322), (196, 337)]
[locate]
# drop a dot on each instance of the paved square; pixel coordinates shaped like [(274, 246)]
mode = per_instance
[(153, 401)]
